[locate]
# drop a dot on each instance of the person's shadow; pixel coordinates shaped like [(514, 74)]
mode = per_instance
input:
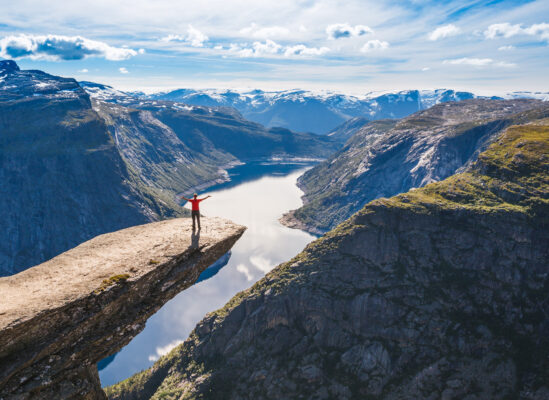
[(195, 237)]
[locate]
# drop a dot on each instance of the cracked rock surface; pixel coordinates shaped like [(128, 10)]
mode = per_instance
[(59, 318)]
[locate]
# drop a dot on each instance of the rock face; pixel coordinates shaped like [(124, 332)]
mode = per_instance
[(58, 319), (63, 178), (439, 293), (388, 157), (344, 131)]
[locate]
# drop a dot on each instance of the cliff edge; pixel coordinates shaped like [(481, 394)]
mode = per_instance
[(59, 318), (439, 293)]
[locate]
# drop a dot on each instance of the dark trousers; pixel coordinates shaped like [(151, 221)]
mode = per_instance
[(196, 215)]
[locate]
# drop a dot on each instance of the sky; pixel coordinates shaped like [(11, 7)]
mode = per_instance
[(352, 46)]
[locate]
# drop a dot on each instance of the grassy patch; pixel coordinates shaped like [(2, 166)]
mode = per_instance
[(113, 280)]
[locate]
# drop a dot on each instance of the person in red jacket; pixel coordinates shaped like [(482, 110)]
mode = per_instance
[(195, 209)]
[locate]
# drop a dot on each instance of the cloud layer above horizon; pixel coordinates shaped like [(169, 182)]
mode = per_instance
[(378, 45)]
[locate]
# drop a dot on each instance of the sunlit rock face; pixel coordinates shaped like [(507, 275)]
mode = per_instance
[(59, 318), (388, 157), (438, 293)]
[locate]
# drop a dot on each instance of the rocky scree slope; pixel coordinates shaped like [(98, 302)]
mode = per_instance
[(58, 319), (388, 157), (437, 293)]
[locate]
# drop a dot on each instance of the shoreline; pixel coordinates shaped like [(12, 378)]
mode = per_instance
[(290, 221), (224, 173)]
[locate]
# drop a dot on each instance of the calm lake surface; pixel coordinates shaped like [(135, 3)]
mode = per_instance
[(258, 194)]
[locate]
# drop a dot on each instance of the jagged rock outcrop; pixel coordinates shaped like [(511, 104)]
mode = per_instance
[(59, 318), (439, 293), (388, 157)]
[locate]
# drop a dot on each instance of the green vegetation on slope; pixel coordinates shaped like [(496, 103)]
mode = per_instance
[(510, 179)]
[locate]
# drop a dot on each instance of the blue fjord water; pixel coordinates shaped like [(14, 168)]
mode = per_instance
[(257, 195)]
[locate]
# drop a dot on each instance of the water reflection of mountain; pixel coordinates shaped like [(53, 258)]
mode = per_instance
[(214, 268), (252, 171)]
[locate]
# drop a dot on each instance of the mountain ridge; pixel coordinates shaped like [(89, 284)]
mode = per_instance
[(387, 157)]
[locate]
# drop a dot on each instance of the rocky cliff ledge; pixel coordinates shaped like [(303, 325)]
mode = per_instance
[(58, 319), (439, 293)]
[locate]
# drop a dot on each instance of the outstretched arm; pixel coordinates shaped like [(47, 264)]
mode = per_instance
[(206, 197), (184, 198)]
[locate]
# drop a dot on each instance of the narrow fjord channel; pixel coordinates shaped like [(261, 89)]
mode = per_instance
[(257, 196)]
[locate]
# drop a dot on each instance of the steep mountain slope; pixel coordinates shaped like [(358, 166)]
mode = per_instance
[(221, 132), (437, 293), (72, 167), (347, 129), (63, 179), (304, 111), (388, 157), (157, 153)]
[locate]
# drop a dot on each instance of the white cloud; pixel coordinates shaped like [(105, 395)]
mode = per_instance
[(271, 48), (541, 30), (266, 32), (506, 48), (507, 30), (83, 70), (163, 350), (268, 47), (505, 64), (261, 263), (502, 30), (338, 31), (425, 69), (372, 45), (244, 270), (58, 47), (444, 31), (123, 70), (258, 49), (301, 49), (478, 62), (194, 37)]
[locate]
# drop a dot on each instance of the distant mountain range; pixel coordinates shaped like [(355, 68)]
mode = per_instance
[(387, 157), (73, 166), (306, 111)]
